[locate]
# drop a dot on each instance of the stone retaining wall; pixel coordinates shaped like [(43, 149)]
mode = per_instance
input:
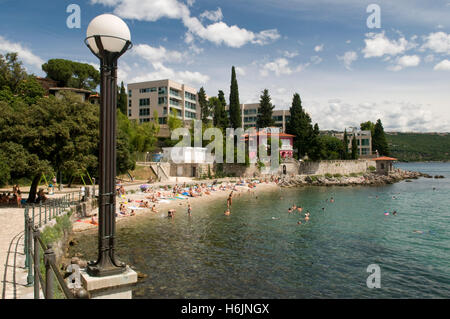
[(336, 167)]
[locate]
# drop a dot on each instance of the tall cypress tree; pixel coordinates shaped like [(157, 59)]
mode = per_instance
[(235, 106), (379, 141), (300, 126), (204, 106), (265, 118), (354, 148), (220, 115), (122, 99), (345, 142)]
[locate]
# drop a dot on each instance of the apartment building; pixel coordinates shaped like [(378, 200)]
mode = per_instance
[(250, 114), (163, 96), (363, 141)]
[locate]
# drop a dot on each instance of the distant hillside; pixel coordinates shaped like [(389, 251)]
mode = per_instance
[(419, 146)]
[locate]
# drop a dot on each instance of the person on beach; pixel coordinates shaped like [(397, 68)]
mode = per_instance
[(230, 200), (227, 212), (154, 209), (171, 213), (189, 210)]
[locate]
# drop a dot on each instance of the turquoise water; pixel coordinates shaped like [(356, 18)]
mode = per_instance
[(252, 255)]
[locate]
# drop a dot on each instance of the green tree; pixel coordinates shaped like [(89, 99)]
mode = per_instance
[(333, 148), (300, 126), (235, 106), (220, 115), (354, 148), (379, 140), (368, 126), (345, 145), (122, 99), (204, 106), (265, 118), (12, 72), (72, 74), (53, 135)]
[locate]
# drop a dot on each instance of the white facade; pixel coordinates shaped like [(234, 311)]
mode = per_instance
[(186, 155)]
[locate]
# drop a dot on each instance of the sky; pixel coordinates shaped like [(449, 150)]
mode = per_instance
[(346, 70)]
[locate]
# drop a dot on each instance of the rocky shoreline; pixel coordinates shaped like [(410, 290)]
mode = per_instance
[(368, 179)]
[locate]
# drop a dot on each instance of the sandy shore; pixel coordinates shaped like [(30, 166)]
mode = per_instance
[(180, 205)]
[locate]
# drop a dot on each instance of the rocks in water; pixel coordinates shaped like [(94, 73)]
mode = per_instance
[(363, 179), (439, 176)]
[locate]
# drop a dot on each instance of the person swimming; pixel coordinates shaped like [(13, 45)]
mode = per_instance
[(171, 213), (227, 212), (394, 213)]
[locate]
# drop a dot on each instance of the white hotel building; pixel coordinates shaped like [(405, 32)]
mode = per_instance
[(163, 96)]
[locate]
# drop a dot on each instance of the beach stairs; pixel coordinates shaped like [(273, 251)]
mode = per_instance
[(160, 172)]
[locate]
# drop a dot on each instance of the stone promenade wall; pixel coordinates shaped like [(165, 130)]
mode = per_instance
[(336, 167)]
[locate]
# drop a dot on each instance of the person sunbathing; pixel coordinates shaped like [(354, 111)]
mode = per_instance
[(154, 209)]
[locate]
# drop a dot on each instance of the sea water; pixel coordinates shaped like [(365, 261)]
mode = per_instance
[(261, 251)]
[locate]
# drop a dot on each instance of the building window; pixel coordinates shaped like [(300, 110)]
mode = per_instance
[(144, 102), (129, 112), (190, 105), (144, 112), (190, 96), (144, 120), (129, 93), (129, 103), (162, 100), (147, 90), (174, 102), (162, 90), (162, 120), (174, 92), (251, 111), (190, 115)]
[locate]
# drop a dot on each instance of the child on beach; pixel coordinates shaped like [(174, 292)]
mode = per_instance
[(189, 210)]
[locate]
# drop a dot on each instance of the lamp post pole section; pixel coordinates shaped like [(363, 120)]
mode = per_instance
[(105, 43)]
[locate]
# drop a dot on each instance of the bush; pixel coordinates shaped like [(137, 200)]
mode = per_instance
[(372, 168), (328, 175), (337, 175)]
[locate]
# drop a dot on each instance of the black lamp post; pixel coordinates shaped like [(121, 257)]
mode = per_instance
[(108, 37)]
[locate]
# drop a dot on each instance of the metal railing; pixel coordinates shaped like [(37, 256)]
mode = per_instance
[(41, 214)]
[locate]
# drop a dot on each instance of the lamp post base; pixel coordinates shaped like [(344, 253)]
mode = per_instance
[(105, 269)]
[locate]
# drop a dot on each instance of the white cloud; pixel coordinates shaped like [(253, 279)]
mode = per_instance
[(212, 15), (348, 58), (160, 54), (160, 71), (241, 71), (377, 45), (438, 42), (443, 66), (218, 32), (25, 54), (406, 61), (289, 54), (279, 67), (318, 48), (396, 116)]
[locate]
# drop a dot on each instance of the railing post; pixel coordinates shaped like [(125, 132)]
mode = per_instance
[(36, 262), (45, 216), (29, 247), (49, 256), (40, 213), (25, 230), (33, 216)]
